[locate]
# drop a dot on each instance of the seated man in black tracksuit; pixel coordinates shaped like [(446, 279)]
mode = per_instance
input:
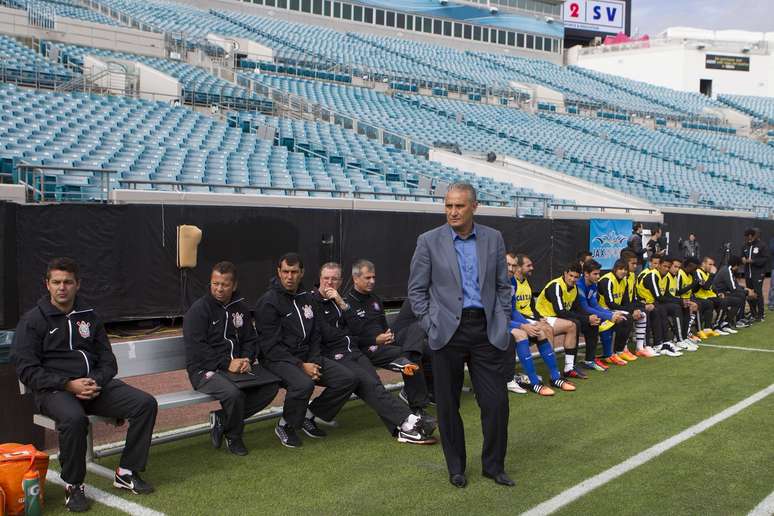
[(378, 342), (289, 338), (733, 295), (62, 353), (220, 345), (337, 344)]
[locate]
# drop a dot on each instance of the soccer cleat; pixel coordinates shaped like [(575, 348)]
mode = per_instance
[(601, 363), (542, 390), (75, 498), (576, 372), (216, 429), (287, 436), (311, 429), (592, 366), (646, 352), (627, 355), (403, 365), (563, 385), (133, 483), (668, 350), (615, 359), (513, 386), (415, 437)]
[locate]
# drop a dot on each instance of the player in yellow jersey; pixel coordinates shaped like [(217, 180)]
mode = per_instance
[(639, 310)]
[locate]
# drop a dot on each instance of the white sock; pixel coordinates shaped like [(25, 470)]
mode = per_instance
[(409, 423), (121, 471), (569, 362), (309, 414)]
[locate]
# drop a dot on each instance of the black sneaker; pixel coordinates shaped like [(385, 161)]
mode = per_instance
[(236, 446), (403, 365), (216, 429), (427, 422), (287, 436), (75, 498), (415, 437), (133, 483), (311, 429)]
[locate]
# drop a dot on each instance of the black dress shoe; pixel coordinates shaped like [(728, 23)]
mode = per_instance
[(501, 478), (458, 480)]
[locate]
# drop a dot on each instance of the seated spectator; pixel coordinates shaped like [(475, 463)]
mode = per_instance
[(337, 344), (289, 338), (62, 353), (220, 344)]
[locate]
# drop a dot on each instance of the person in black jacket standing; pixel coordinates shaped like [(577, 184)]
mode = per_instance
[(336, 317), (220, 345), (62, 353), (755, 257), (289, 337), (377, 341)]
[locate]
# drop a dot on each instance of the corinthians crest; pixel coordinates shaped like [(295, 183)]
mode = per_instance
[(238, 319), (84, 329), (308, 312)]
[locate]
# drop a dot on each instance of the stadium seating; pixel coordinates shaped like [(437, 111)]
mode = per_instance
[(760, 108), (615, 155), (21, 64), (153, 141), (199, 86), (64, 9)]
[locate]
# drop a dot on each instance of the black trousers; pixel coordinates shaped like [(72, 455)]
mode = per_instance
[(667, 312), (706, 314), (757, 305), (622, 329), (339, 382), (733, 306), (470, 345), (413, 341), (116, 400), (237, 404), (415, 386), (371, 390)]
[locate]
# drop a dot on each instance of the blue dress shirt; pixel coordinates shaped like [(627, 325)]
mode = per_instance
[(467, 258)]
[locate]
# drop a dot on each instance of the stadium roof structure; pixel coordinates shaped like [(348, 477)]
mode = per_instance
[(526, 22), (736, 36)]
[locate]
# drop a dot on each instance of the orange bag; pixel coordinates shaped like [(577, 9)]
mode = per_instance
[(15, 461)]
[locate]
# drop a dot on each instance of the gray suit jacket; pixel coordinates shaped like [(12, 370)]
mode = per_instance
[(435, 286)]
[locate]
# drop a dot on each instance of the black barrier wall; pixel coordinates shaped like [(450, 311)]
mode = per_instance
[(127, 252)]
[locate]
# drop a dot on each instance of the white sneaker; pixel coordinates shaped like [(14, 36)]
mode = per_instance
[(655, 352), (515, 387), (678, 344), (730, 330), (721, 332), (690, 346), (669, 351)]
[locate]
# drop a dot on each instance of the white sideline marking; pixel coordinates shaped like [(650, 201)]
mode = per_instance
[(108, 499), (765, 508), (570, 495), (701, 345)]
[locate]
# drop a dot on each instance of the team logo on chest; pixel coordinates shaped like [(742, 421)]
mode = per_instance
[(308, 312), (84, 329), (238, 319), (376, 306)]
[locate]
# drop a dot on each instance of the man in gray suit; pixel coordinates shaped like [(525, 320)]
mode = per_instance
[(459, 290)]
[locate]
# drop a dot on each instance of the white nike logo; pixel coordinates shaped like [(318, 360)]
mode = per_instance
[(215, 322), (53, 331)]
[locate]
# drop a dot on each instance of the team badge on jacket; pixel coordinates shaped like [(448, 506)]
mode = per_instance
[(238, 319), (84, 329), (376, 306), (308, 312)]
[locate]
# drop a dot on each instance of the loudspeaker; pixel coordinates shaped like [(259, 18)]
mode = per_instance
[(188, 238)]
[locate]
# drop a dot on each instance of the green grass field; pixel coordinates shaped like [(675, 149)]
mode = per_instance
[(555, 443)]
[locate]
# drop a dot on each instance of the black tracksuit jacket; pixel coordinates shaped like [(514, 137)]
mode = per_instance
[(370, 319), (215, 334), (288, 330), (335, 326), (759, 254), (50, 348)]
